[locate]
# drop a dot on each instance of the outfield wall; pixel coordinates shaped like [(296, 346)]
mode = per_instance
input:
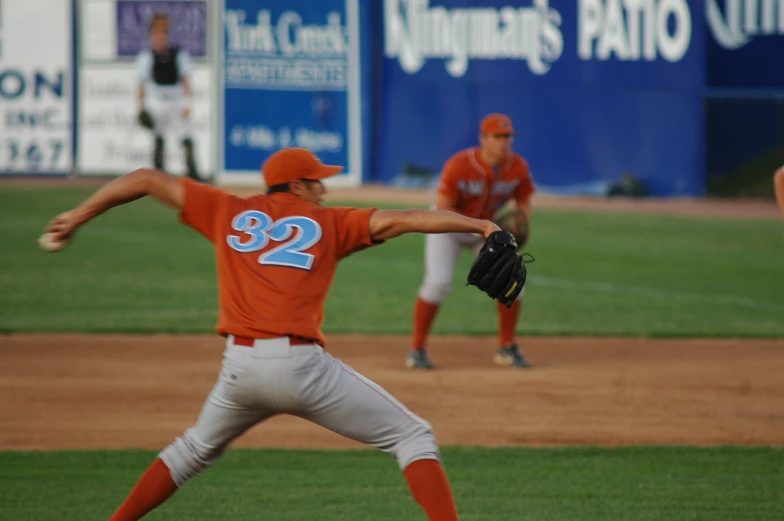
[(597, 89)]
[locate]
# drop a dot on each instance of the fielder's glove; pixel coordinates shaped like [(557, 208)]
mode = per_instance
[(515, 222), (145, 119), (499, 269)]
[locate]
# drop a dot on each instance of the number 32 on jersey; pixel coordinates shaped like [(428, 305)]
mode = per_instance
[(296, 234)]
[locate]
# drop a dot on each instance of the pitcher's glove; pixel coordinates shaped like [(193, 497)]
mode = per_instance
[(499, 269), (145, 119)]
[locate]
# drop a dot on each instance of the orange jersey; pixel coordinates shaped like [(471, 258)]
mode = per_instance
[(276, 257), (477, 191)]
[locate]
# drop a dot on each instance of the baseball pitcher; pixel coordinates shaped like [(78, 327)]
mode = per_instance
[(476, 182), (276, 257), (164, 93)]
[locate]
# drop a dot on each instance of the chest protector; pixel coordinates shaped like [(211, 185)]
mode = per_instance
[(164, 67)]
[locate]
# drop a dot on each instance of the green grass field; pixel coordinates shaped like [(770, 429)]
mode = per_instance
[(577, 484), (136, 269)]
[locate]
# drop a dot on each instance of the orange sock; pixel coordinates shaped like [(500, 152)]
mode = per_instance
[(778, 183), (507, 322), (424, 315), (430, 488), (153, 488)]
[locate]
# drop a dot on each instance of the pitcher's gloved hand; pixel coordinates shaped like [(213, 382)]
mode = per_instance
[(499, 269)]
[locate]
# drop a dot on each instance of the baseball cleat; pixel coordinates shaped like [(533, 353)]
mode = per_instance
[(511, 356), (417, 359)]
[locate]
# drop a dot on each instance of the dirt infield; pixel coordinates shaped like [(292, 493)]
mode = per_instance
[(98, 391)]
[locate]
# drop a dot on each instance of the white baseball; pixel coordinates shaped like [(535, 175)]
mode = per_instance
[(48, 243)]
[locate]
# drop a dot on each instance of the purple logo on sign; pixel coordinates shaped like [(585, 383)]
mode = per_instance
[(187, 25)]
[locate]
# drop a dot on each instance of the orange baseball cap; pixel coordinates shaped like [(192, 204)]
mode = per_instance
[(496, 124), (290, 164)]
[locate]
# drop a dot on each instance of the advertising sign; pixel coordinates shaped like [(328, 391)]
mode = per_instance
[(36, 87), (746, 36), (291, 77), (189, 31), (596, 89)]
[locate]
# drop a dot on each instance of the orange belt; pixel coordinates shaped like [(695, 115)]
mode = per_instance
[(293, 340)]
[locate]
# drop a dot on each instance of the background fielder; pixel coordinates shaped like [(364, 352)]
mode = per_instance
[(475, 182), (164, 93)]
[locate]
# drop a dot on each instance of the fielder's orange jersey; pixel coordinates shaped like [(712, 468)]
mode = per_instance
[(477, 190), (276, 257)]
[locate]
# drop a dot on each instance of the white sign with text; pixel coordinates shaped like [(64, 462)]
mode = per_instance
[(36, 87)]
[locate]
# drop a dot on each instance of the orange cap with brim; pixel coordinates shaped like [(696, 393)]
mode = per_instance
[(290, 164), (496, 124)]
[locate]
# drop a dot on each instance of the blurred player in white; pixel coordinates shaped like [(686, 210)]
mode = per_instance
[(164, 93)]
